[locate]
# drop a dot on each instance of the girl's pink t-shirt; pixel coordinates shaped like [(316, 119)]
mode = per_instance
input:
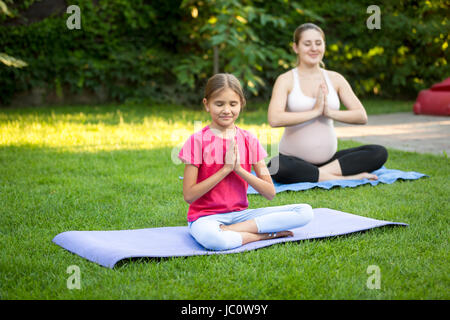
[(207, 152)]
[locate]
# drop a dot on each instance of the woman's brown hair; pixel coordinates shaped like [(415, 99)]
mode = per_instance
[(307, 26)]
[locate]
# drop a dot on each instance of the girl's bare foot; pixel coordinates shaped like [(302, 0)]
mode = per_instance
[(281, 234), (263, 236), (251, 236)]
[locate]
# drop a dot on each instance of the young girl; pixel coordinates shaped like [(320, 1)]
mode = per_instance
[(218, 161)]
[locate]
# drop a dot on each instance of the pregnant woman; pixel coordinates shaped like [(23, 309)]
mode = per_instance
[(306, 100)]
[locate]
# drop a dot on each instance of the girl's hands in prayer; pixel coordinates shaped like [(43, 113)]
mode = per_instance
[(230, 156), (237, 165)]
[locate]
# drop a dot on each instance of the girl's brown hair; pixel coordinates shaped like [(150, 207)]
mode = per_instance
[(221, 81), (307, 26)]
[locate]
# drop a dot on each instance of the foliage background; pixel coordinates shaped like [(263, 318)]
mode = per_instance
[(162, 51)]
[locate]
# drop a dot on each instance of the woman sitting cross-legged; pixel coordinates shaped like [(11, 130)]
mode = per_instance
[(306, 100)]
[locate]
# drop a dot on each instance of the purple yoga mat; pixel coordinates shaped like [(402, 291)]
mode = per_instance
[(108, 247)]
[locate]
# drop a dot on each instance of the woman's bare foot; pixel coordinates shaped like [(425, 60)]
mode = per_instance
[(324, 176), (365, 175)]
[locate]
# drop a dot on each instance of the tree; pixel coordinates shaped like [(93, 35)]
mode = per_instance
[(230, 36)]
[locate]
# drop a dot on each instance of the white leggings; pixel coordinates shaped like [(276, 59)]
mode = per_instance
[(206, 230)]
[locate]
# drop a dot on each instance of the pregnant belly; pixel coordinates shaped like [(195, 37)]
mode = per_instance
[(314, 141)]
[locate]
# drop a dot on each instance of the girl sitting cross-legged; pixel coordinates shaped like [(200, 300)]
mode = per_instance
[(218, 162)]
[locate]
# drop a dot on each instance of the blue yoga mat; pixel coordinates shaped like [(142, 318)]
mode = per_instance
[(384, 176), (109, 247)]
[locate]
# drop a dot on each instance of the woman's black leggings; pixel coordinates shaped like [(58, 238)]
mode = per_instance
[(290, 169)]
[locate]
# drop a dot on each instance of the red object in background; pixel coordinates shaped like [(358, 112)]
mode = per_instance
[(435, 101)]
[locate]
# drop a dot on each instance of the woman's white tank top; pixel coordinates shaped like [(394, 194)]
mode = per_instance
[(315, 140)]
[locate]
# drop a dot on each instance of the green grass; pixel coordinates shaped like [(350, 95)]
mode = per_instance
[(97, 168)]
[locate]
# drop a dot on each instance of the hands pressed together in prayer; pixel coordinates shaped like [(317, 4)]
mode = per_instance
[(321, 105), (232, 159)]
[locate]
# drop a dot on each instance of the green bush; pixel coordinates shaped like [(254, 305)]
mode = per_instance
[(164, 50), (122, 47)]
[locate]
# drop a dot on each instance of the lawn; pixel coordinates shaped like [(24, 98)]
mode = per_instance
[(113, 167)]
